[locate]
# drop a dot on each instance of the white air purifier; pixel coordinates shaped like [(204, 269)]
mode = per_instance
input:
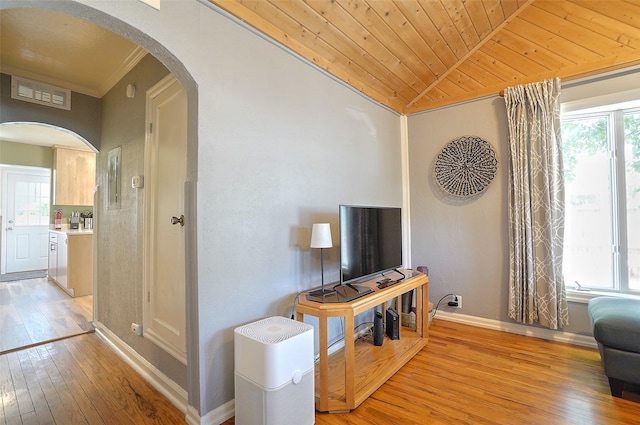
[(274, 373)]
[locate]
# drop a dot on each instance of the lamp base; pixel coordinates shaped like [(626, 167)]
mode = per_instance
[(322, 292), (340, 294)]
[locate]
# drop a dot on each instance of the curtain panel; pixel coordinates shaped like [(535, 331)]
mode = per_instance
[(536, 205)]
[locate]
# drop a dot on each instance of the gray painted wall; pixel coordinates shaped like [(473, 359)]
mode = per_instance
[(280, 146), (465, 243), (119, 232)]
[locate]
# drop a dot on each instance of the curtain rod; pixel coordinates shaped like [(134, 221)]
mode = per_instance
[(576, 81)]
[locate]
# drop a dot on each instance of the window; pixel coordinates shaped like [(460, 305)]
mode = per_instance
[(32, 203), (601, 154)]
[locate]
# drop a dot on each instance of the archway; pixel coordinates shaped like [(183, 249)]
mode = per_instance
[(27, 145), (178, 69)]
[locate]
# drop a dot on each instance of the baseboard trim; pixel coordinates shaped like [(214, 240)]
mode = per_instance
[(192, 416), (178, 396), (515, 328), (220, 414), (167, 387)]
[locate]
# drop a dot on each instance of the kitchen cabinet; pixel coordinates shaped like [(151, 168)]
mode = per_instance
[(71, 261), (74, 176), (58, 258), (52, 271)]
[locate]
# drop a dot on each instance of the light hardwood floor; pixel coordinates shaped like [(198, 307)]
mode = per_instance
[(36, 310), (466, 375), (77, 380), (469, 375)]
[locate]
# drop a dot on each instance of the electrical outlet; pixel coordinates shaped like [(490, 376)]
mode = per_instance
[(136, 329), (458, 299)]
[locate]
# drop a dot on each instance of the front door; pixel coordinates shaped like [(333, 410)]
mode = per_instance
[(165, 176), (26, 220)]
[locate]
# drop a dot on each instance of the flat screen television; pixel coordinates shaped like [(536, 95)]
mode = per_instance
[(370, 241)]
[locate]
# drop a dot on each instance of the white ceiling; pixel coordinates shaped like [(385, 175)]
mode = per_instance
[(64, 51)]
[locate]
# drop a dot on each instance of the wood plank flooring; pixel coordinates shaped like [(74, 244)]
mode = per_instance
[(469, 375), (36, 310), (78, 380), (466, 375)]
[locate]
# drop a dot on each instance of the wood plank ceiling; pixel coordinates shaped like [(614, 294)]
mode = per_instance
[(416, 55)]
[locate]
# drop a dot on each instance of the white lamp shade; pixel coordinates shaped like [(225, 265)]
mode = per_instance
[(321, 236)]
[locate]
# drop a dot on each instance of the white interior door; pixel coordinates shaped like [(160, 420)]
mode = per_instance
[(26, 219), (165, 175)]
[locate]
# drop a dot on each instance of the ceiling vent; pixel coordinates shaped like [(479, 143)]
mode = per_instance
[(40, 93)]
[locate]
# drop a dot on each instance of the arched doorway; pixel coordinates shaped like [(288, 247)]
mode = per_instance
[(27, 145), (175, 67), (47, 307)]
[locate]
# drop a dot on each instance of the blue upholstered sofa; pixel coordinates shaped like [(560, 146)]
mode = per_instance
[(616, 327)]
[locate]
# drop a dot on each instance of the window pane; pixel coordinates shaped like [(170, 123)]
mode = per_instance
[(632, 176), (588, 257), (31, 204)]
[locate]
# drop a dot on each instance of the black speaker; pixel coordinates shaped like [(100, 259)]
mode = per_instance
[(393, 324), (378, 333)]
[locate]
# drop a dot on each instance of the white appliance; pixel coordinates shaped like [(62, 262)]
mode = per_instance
[(274, 373)]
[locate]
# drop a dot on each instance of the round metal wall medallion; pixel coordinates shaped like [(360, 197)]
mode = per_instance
[(466, 166)]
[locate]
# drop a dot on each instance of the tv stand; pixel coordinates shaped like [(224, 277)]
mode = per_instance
[(346, 378)]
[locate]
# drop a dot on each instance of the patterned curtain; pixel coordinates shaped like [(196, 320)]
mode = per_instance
[(536, 205)]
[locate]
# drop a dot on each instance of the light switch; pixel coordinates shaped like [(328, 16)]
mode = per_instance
[(137, 182)]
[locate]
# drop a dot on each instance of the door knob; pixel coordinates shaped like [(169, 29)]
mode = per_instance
[(176, 220)]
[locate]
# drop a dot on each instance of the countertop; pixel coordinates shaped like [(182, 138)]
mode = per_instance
[(65, 229)]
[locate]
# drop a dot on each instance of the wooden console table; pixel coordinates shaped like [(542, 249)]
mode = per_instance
[(345, 379)]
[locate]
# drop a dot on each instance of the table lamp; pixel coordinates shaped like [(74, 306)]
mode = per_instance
[(321, 238)]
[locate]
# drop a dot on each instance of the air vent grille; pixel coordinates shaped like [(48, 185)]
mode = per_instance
[(40, 93)]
